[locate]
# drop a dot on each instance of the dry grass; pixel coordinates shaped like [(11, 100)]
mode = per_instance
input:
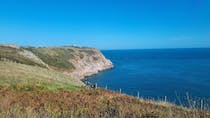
[(87, 103)]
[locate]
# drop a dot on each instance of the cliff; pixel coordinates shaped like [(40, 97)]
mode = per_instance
[(76, 62), (88, 61)]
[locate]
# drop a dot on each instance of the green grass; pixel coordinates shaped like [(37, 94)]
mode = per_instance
[(12, 54), (57, 58), (24, 76), (28, 71)]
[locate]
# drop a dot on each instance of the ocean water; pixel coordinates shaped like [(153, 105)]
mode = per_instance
[(156, 73)]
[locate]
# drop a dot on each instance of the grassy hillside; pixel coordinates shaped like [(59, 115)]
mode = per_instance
[(16, 54), (77, 62), (60, 58), (24, 75), (87, 103), (57, 58)]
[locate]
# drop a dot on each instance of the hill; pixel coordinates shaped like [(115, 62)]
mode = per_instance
[(76, 62), (24, 76), (17, 54)]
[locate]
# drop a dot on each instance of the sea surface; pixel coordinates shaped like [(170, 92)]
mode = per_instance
[(172, 74)]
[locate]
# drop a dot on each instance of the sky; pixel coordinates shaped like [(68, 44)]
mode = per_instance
[(106, 24)]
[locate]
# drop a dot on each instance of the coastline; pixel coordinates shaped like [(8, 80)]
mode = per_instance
[(88, 84)]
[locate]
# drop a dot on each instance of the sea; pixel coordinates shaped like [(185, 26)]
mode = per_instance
[(180, 76)]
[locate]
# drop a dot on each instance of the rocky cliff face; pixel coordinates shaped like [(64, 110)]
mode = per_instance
[(92, 62), (76, 62)]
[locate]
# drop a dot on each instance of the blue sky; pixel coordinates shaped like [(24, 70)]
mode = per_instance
[(106, 24)]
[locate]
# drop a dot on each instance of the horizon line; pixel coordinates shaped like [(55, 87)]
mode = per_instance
[(157, 48), (102, 48)]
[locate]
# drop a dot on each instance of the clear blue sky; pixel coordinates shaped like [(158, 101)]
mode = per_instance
[(106, 24)]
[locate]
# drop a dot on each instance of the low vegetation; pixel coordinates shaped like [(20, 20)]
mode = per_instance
[(57, 58), (18, 75), (13, 54), (88, 103)]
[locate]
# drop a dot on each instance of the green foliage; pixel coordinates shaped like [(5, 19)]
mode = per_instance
[(57, 58), (41, 87), (151, 115), (12, 54), (88, 52)]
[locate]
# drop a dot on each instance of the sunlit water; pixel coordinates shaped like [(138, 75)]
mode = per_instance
[(156, 73)]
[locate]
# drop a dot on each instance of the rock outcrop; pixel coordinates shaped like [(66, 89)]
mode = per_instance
[(91, 63)]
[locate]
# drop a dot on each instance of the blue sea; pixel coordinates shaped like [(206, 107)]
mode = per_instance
[(178, 74)]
